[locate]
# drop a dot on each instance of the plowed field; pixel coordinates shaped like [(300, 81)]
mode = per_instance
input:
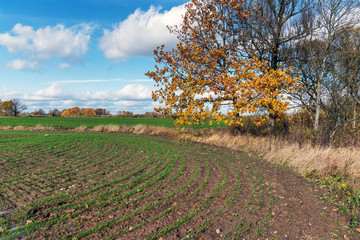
[(66, 185)]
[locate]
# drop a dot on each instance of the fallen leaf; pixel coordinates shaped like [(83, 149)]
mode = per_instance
[(335, 209), (174, 204), (111, 216)]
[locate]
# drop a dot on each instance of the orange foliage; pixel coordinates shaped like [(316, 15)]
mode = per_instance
[(76, 112), (89, 112), (4, 107), (206, 70), (65, 113)]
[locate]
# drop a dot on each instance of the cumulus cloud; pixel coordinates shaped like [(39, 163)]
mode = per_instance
[(53, 92), (132, 97), (141, 33), (129, 92), (23, 65), (57, 91), (68, 44)]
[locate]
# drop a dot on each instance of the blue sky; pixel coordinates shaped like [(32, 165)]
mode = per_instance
[(86, 53)]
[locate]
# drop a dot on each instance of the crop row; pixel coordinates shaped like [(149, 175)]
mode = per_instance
[(113, 186)]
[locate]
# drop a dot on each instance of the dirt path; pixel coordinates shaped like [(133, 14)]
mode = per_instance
[(119, 186)]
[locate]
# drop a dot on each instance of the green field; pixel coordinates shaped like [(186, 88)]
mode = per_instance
[(89, 122), (62, 185)]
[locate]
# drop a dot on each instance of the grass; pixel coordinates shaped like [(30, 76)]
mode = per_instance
[(90, 122)]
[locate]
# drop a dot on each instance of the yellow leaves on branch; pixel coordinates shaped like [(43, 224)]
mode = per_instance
[(206, 72)]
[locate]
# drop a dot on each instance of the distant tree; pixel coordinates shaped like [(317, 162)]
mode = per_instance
[(88, 112), (101, 112), (55, 113), (40, 112), (65, 113), (75, 111), (16, 107), (125, 113), (5, 108)]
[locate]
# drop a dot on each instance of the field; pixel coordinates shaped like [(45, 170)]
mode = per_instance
[(69, 185), (73, 122), (88, 122)]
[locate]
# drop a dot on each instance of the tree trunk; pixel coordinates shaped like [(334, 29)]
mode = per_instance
[(354, 112), (318, 95)]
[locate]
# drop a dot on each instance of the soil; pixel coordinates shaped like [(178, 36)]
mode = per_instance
[(220, 194)]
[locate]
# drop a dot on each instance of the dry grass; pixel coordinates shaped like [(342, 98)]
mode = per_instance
[(327, 161), (42, 128)]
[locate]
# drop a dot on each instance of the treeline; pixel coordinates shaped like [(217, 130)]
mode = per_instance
[(15, 108)]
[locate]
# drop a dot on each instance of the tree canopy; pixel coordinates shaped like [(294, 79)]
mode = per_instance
[(207, 77)]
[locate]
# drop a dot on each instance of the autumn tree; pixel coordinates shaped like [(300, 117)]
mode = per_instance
[(65, 113), (88, 112), (75, 111), (5, 108), (268, 32), (207, 76)]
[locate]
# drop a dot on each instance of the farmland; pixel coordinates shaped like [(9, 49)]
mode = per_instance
[(88, 122), (73, 122), (69, 185)]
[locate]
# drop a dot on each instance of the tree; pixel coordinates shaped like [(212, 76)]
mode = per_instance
[(328, 63), (275, 25), (75, 111), (348, 62), (16, 107), (55, 113), (40, 112), (207, 70), (89, 112), (269, 31), (5, 108), (65, 113), (102, 112), (333, 16)]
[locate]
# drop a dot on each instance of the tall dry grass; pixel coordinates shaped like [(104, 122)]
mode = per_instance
[(326, 161)]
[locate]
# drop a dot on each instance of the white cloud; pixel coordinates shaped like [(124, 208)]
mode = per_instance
[(44, 43), (141, 33), (129, 92), (132, 97), (64, 65), (134, 91), (56, 91), (53, 92), (23, 65)]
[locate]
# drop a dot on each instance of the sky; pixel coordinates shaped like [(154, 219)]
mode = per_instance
[(86, 53)]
